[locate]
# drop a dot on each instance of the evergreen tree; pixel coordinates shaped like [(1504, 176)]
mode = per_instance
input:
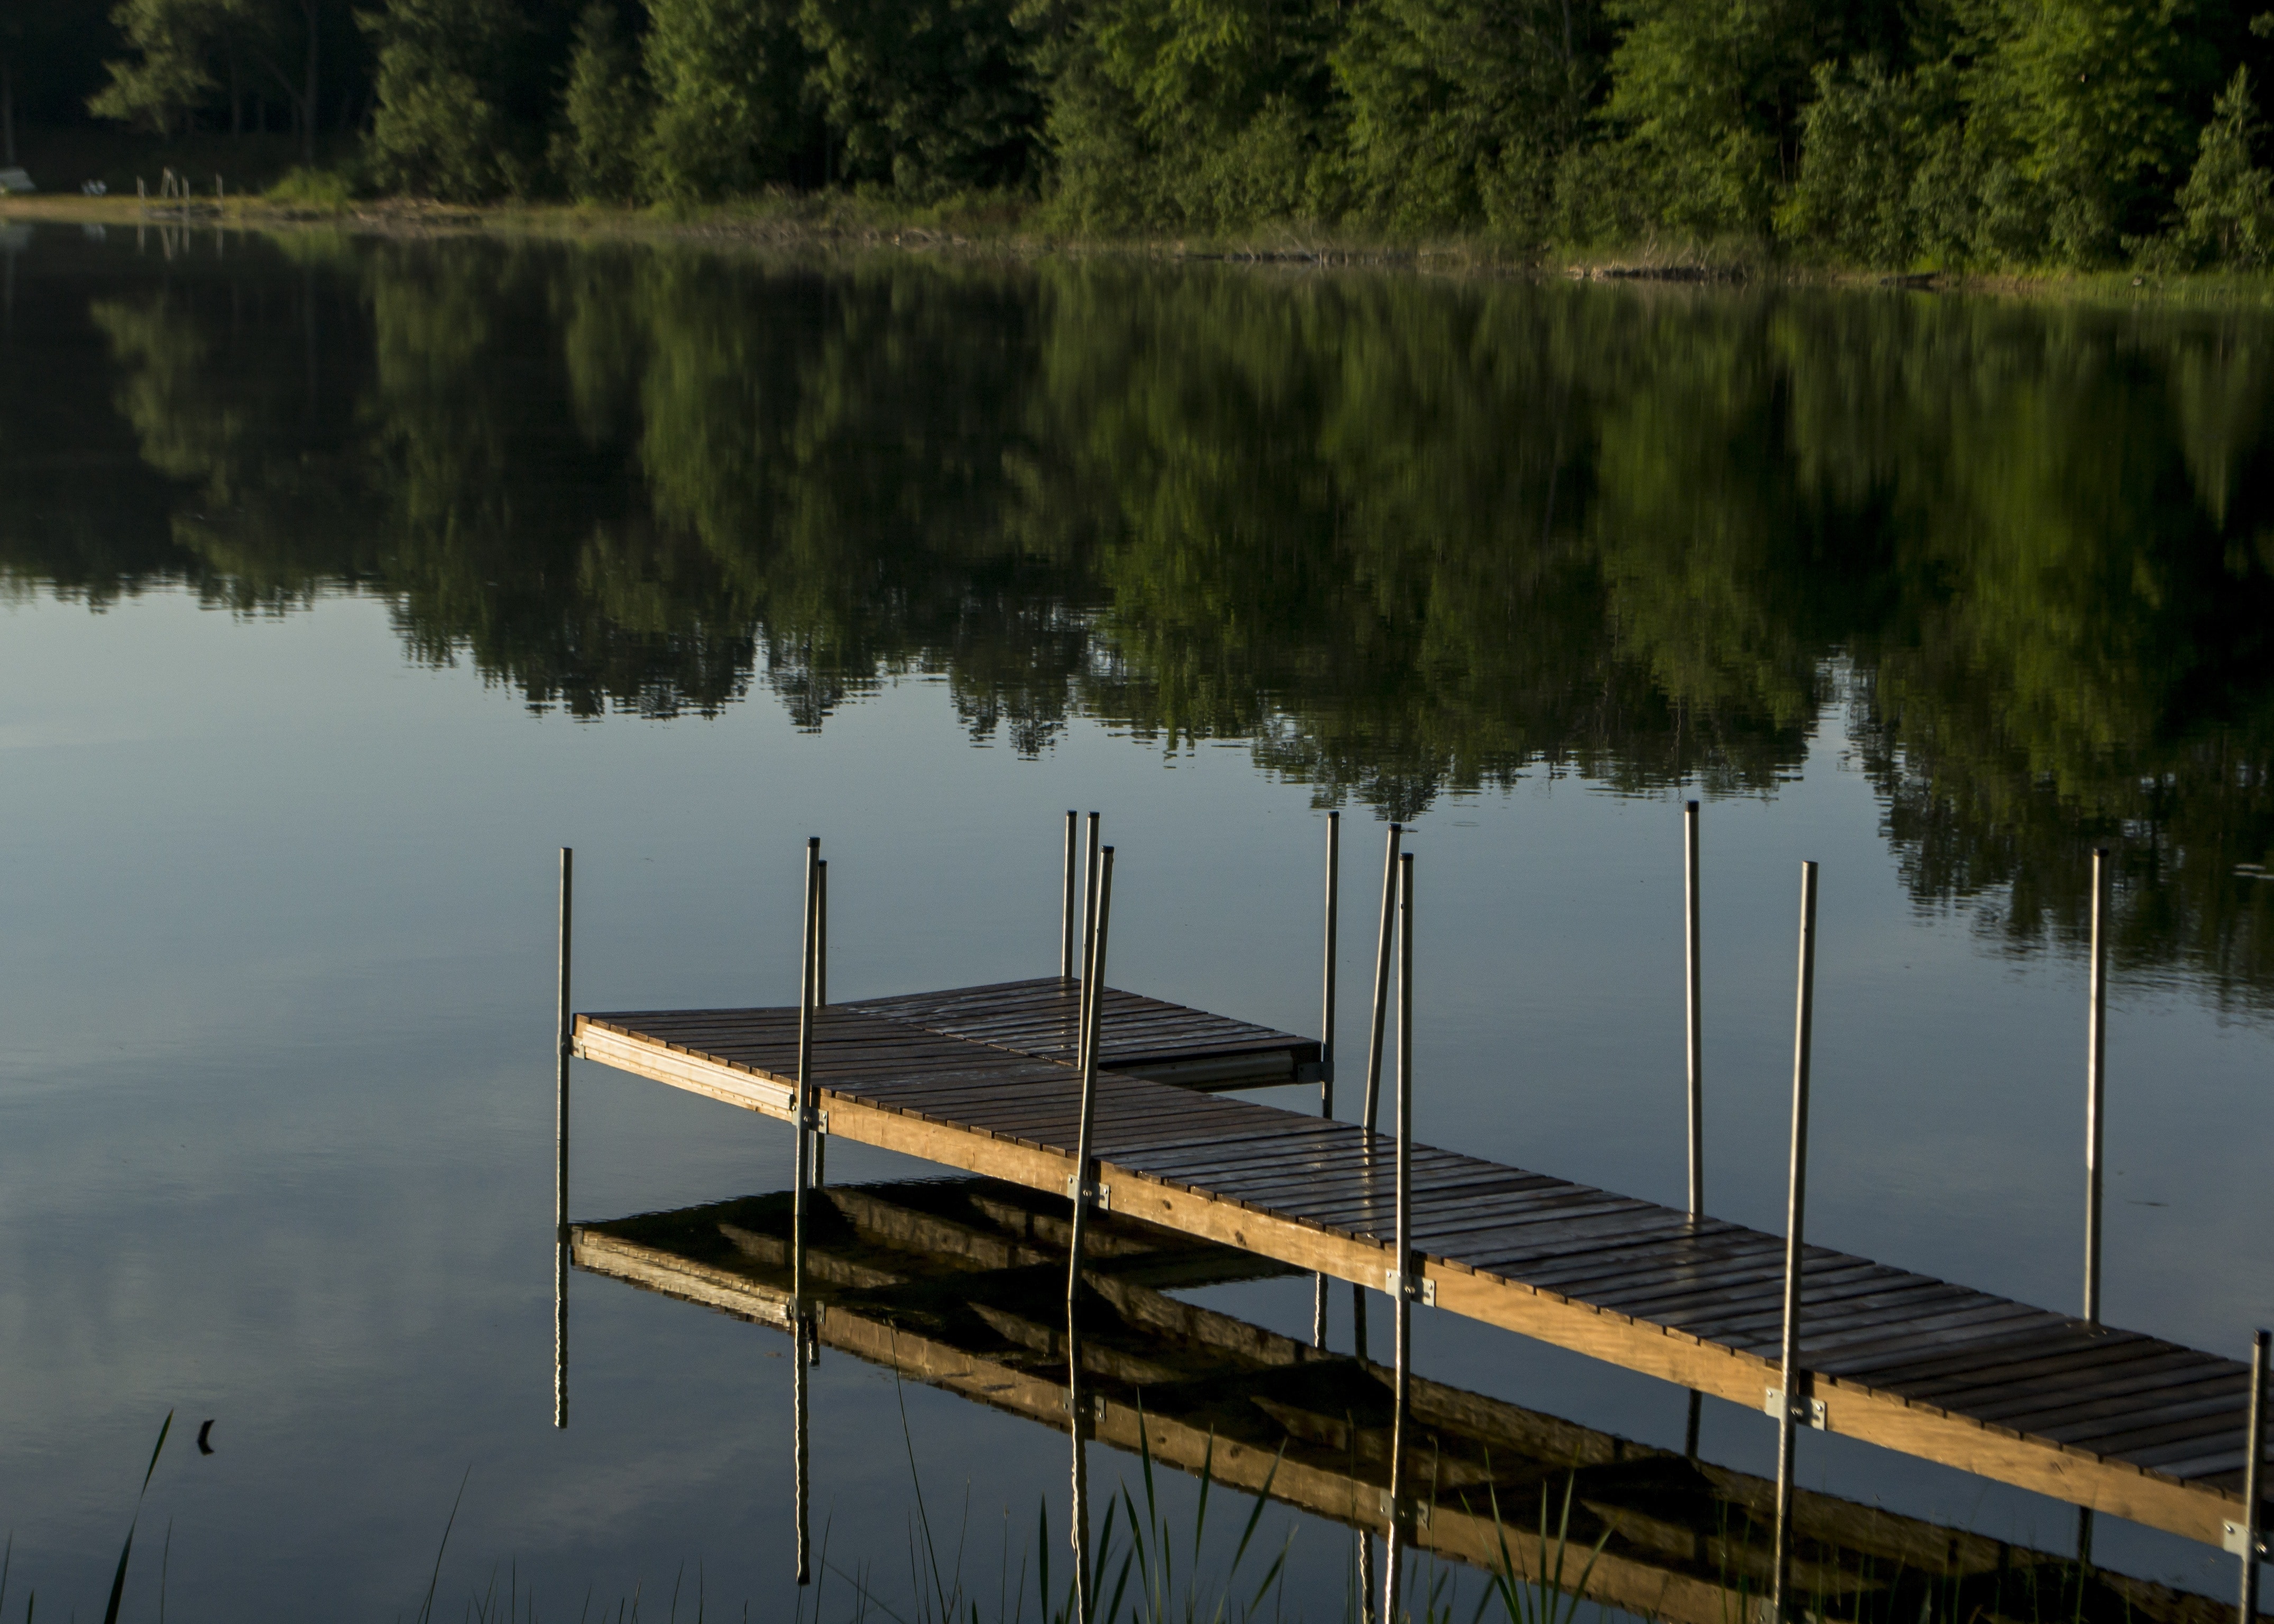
[(2226, 208)]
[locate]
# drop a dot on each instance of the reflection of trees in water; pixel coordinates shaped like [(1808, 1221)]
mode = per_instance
[(1403, 538)]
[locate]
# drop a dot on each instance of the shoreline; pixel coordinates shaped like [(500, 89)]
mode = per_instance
[(841, 222)]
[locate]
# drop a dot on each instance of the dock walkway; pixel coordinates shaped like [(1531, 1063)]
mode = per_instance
[(981, 1079)]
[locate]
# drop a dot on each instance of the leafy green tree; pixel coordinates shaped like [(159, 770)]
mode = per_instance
[(171, 75), (1194, 114), (1460, 112), (438, 131), (605, 109), (927, 96), (2226, 208), (732, 106), (2079, 100), (1708, 95)]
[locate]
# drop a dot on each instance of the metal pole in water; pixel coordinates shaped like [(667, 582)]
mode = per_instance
[(1381, 945), (801, 1107), (1098, 906), (1405, 1286), (2253, 1477), (1092, 980), (801, 1347), (1088, 913), (1065, 901), (2095, 1086), (1695, 1008), (1327, 997), (564, 1042), (820, 991), (1327, 1039), (1790, 1400)]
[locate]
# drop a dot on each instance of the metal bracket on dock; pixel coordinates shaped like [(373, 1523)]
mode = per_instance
[(1314, 1071), (1812, 1415), (1412, 1513), (817, 1119), (2233, 1538), (1426, 1289), (1100, 1196)]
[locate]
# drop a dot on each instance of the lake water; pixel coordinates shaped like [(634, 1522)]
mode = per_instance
[(346, 579)]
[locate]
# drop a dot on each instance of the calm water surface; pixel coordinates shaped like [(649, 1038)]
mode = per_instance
[(346, 579)]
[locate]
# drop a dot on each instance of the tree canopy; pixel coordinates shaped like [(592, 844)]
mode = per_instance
[(1897, 134)]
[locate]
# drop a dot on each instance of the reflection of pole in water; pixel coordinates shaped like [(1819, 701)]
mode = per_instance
[(1079, 1524), (1404, 1281), (1326, 1042), (563, 1038), (802, 1336)]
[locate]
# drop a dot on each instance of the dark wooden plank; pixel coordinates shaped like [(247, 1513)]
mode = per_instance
[(2071, 1356), (1727, 1297), (2008, 1398), (1932, 1318), (2048, 1407), (1672, 1283)]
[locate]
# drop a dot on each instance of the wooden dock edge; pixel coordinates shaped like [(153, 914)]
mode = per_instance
[(2118, 1488)]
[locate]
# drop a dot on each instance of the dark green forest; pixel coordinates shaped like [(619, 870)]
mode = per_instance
[(1399, 537), (1894, 134)]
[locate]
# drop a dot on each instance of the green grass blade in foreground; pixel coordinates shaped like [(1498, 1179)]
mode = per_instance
[(126, 1552), (427, 1612)]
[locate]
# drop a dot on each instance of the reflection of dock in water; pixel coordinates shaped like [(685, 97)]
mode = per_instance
[(960, 1284)]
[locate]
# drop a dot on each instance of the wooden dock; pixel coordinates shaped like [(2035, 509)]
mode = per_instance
[(979, 1079), (960, 1284)]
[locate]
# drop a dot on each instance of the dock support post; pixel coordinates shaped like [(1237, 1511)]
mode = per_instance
[(1405, 1283), (820, 988), (1327, 1039), (1382, 946), (1792, 1402), (2254, 1479), (1065, 901), (2096, 1085), (1098, 909), (1693, 1009), (564, 1040), (2096, 1093), (802, 1349), (1085, 1179)]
